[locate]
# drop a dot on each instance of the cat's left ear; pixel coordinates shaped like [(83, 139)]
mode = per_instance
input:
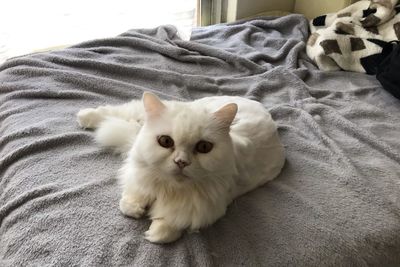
[(226, 114), (152, 105)]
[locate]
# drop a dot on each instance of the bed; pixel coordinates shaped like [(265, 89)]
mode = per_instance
[(336, 202)]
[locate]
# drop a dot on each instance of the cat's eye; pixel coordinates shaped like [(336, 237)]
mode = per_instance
[(165, 141), (204, 146)]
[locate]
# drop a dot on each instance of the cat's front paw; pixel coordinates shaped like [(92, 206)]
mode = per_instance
[(88, 118), (160, 232), (131, 208)]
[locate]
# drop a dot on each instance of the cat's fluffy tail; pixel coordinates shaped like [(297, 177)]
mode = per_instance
[(117, 133)]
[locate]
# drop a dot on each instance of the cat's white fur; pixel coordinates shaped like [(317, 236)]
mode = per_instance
[(246, 153)]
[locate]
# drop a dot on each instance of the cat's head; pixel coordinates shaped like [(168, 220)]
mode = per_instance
[(183, 141)]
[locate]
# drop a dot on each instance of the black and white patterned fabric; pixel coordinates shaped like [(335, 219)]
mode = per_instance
[(356, 38)]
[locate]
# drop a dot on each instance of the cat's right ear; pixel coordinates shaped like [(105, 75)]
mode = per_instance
[(226, 115), (152, 105)]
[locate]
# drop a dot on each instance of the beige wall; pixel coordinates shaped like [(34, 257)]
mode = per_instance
[(238, 9), (246, 8), (314, 8)]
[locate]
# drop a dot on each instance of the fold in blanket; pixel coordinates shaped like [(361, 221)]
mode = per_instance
[(355, 37)]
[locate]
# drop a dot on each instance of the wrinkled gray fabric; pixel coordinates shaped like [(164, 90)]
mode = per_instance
[(336, 202)]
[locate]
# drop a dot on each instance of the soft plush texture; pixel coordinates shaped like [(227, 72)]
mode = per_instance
[(356, 38), (336, 202)]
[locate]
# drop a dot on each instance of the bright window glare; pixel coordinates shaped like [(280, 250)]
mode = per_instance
[(31, 25)]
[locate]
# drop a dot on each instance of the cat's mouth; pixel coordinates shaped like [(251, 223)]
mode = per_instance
[(180, 174)]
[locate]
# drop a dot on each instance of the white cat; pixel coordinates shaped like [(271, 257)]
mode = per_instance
[(187, 161)]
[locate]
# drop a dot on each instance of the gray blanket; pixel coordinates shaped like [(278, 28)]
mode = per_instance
[(336, 203)]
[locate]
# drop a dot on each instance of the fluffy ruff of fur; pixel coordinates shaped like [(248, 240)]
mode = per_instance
[(354, 38), (178, 186)]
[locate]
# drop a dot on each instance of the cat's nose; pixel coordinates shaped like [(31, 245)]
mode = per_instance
[(182, 163)]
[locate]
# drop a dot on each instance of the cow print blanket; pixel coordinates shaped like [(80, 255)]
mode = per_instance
[(356, 38)]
